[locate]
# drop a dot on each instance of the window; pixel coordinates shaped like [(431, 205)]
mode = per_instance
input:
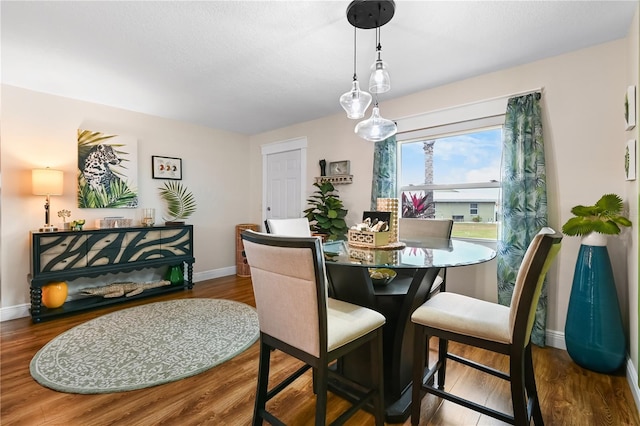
[(453, 171)]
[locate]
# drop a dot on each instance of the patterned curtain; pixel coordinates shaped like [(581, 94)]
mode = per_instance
[(524, 198), (383, 184)]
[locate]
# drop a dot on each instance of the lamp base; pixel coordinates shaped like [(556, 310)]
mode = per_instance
[(49, 228)]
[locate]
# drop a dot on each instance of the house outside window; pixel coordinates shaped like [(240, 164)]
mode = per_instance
[(453, 171)]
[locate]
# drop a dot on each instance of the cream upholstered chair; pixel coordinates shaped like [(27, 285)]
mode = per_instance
[(294, 227), (417, 230), (502, 329), (297, 317)]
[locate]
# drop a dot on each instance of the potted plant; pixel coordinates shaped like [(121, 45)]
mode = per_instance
[(594, 333), (326, 212), (180, 203)]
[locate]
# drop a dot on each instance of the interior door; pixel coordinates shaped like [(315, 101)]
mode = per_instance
[(283, 185)]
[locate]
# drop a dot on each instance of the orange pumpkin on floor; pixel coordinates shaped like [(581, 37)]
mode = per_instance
[(54, 294)]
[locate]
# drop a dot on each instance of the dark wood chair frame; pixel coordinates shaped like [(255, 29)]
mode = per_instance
[(373, 395), (521, 375)]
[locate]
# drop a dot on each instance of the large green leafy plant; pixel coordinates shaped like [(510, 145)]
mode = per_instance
[(605, 217), (180, 203), (326, 212)]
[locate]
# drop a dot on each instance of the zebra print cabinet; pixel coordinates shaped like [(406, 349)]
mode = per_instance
[(68, 255)]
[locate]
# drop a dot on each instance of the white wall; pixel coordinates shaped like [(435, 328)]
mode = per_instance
[(584, 141), (39, 130)]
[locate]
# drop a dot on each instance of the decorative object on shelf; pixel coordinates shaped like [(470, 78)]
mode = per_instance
[(126, 289), (64, 214), (113, 222), (47, 182), (148, 217), (54, 294), (594, 331), (382, 276), (77, 224), (630, 107), (166, 167), (107, 171), (339, 167), (175, 275), (367, 15), (326, 212), (180, 203), (630, 160), (323, 167)]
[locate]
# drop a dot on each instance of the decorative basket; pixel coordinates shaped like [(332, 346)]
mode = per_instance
[(368, 239)]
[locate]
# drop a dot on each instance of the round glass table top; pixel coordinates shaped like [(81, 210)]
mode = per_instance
[(432, 252)]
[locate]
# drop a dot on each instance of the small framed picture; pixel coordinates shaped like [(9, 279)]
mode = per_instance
[(630, 107), (166, 167), (630, 160), (339, 167)]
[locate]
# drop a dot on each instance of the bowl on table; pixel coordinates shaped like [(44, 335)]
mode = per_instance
[(381, 276)]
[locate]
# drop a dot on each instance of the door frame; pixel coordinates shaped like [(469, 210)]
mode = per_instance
[(295, 144)]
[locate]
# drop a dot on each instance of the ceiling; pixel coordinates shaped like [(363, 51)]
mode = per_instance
[(253, 66)]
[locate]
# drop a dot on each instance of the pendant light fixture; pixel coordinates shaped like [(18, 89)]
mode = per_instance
[(371, 14), (376, 128), (379, 82), (355, 102)]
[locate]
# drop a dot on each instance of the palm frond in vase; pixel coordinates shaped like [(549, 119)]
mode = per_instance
[(180, 202)]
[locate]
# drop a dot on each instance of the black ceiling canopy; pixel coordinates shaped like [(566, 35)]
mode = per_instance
[(367, 14)]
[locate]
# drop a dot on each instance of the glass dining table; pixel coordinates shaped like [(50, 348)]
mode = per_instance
[(417, 264)]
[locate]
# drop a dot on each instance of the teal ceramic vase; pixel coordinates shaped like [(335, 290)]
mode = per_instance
[(594, 333), (175, 275)]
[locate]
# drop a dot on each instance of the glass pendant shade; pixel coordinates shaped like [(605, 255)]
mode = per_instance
[(355, 102), (379, 82), (376, 128)]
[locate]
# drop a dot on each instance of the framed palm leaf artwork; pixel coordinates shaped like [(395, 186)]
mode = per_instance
[(107, 170)]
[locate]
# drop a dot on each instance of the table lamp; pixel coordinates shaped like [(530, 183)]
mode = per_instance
[(46, 182)]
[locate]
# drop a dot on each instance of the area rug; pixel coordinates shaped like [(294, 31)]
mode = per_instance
[(146, 345)]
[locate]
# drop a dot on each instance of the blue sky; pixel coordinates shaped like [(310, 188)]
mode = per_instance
[(472, 157)]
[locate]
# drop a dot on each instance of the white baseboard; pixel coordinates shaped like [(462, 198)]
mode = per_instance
[(555, 339), (20, 311)]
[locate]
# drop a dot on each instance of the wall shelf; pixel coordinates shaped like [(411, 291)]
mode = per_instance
[(336, 179)]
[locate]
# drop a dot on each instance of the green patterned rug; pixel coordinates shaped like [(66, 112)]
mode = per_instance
[(146, 345)]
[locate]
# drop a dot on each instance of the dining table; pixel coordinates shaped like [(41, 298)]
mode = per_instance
[(417, 264)]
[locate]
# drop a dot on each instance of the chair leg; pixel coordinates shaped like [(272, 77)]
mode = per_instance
[(419, 360), (321, 384), (263, 382), (530, 384), (443, 348), (377, 374), (518, 392)]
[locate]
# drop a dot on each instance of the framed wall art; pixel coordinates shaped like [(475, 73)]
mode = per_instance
[(630, 162), (166, 167), (339, 167), (630, 107)]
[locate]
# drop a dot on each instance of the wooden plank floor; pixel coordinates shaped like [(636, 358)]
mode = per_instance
[(224, 395)]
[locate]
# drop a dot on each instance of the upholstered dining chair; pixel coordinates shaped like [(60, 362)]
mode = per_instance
[(497, 328), (294, 227), (417, 230), (297, 317)]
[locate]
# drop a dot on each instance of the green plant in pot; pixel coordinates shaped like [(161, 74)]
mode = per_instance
[(180, 202), (326, 212), (594, 333)]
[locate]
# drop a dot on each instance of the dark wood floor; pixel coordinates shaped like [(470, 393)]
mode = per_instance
[(570, 395)]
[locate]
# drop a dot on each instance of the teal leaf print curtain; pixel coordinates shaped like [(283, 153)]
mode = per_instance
[(524, 198), (383, 184)]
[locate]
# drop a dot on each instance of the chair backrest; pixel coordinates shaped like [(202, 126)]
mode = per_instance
[(294, 227), (413, 229), (536, 262), (289, 285)]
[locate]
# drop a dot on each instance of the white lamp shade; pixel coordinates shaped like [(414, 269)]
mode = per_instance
[(46, 181), (376, 128), (355, 102)]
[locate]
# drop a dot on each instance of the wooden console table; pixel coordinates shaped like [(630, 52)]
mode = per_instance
[(67, 255)]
